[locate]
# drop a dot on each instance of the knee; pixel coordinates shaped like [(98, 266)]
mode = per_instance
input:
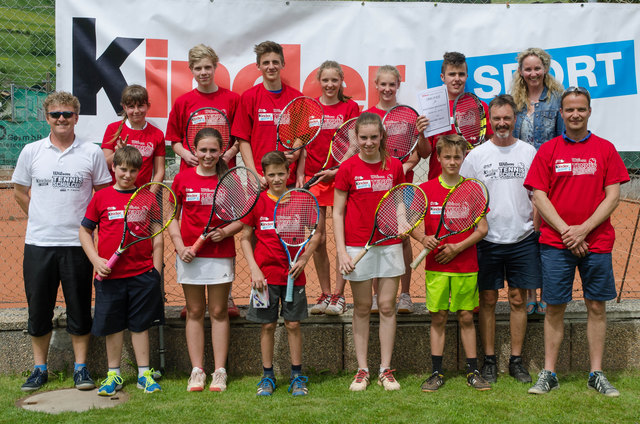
[(386, 308), (292, 326), (219, 313), (269, 328), (465, 318), (195, 313), (488, 299)]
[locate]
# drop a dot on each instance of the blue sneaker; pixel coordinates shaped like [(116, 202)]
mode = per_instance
[(147, 383), (298, 386), (267, 385), (110, 385), (83, 380), (35, 380)]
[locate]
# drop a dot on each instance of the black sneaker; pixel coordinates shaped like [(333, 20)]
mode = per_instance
[(35, 380), (83, 380), (597, 381), (475, 380), (518, 371), (546, 382), (489, 370), (433, 383)]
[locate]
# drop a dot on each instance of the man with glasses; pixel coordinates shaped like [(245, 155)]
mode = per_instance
[(54, 179), (576, 180)]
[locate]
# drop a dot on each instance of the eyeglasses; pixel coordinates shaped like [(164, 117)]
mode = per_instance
[(66, 114)]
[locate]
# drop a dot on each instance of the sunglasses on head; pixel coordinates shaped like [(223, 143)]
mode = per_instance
[(66, 114), (581, 90)]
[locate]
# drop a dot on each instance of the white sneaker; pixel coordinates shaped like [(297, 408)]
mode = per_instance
[(196, 380), (374, 304), (405, 305), (388, 381), (360, 381), (321, 304), (218, 381), (337, 306)]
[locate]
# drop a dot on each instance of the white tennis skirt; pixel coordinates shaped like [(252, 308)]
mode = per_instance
[(206, 271), (379, 262)]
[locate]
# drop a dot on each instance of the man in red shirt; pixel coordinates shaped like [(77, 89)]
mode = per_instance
[(576, 180)]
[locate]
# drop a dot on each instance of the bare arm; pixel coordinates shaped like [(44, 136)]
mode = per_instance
[(22, 194), (231, 152), (345, 263), (449, 251), (423, 147), (86, 241), (158, 169), (184, 253), (257, 277), (158, 253), (298, 266), (247, 158), (185, 154)]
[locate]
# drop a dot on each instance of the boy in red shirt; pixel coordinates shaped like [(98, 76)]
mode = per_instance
[(129, 296)]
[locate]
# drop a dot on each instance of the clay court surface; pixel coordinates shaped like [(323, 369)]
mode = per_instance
[(13, 224)]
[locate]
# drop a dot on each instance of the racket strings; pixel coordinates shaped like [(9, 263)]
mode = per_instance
[(402, 132), (345, 143), (208, 119), (150, 211), (296, 218), (464, 206), (236, 194), (299, 123), (401, 210), (469, 119)]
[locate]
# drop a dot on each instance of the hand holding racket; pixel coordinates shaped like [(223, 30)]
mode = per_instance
[(400, 210), (148, 213), (295, 218), (465, 205), (208, 117), (469, 119), (299, 123), (344, 144), (236, 194), (402, 132)]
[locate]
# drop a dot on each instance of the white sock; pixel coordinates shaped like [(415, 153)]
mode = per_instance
[(117, 370), (195, 369), (222, 370), (383, 369), (141, 371)]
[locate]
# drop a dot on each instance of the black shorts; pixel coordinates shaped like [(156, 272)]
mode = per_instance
[(291, 311), (44, 268), (133, 303)]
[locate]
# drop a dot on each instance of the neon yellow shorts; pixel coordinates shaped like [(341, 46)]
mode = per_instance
[(451, 291)]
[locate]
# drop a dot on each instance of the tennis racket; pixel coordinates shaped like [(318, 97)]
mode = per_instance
[(344, 144), (469, 119), (402, 133), (295, 219), (148, 213), (465, 205), (208, 117), (299, 123), (400, 210), (236, 194)]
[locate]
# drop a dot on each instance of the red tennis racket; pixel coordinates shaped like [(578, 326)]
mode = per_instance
[(208, 117), (465, 205), (469, 119), (148, 213), (402, 133), (235, 196), (299, 123)]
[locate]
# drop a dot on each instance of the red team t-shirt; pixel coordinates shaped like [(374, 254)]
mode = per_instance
[(269, 252), (467, 260), (225, 100), (195, 195), (434, 166), (106, 209), (365, 184), (149, 141), (257, 118), (318, 149), (574, 176)]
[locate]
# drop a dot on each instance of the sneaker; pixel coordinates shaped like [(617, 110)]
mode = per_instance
[(360, 381), (218, 381), (35, 380), (147, 383), (267, 385), (433, 383), (405, 305), (475, 380), (518, 371), (597, 381), (110, 385), (298, 386), (321, 304), (196, 380), (489, 370), (337, 305), (387, 380), (547, 381), (232, 309), (83, 380), (374, 304)]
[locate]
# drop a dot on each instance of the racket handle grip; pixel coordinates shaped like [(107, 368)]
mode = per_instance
[(310, 182), (420, 258), (112, 260), (359, 256), (288, 297), (198, 244)]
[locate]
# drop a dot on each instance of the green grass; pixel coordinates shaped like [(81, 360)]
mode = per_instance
[(330, 401)]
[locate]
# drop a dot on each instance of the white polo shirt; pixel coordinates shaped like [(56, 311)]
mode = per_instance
[(61, 187)]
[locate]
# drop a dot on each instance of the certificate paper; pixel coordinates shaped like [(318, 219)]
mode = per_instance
[(434, 104)]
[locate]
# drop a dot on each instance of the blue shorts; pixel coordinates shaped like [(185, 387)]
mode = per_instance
[(133, 303), (558, 273), (518, 262)]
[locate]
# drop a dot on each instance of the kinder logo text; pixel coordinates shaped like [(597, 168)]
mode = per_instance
[(605, 69)]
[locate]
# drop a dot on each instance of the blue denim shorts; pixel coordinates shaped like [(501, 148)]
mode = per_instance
[(518, 262), (558, 273)]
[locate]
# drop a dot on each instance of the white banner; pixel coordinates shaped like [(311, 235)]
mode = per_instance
[(104, 45)]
